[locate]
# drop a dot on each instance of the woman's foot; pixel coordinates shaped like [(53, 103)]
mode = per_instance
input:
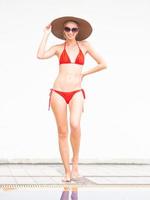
[(66, 178), (74, 171)]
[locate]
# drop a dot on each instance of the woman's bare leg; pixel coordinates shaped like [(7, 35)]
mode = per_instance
[(76, 106), (59, 108)]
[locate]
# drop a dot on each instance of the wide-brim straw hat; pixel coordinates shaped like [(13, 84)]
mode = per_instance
[(85, 28)]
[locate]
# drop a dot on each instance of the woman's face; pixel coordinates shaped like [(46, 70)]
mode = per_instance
[(71, 30)]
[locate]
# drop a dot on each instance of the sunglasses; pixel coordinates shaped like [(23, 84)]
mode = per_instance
[(74, 30)]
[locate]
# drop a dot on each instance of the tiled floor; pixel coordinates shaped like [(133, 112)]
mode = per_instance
[(91, 174)]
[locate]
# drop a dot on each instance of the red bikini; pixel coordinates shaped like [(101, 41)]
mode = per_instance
[(64, 59)]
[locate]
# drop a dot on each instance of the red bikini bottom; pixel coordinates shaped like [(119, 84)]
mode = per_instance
[(66, 95)]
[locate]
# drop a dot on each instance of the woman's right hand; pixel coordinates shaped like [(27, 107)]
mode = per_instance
[(47, 29)]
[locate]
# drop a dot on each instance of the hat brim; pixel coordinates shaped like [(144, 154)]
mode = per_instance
[(85, 29)]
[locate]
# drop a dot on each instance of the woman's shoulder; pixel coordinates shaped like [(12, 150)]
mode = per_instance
[(84, 43), (60, 45)]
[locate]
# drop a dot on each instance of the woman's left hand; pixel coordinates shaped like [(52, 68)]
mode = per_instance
[(82, 75)]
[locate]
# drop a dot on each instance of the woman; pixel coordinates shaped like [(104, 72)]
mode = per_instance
[(67, 86)]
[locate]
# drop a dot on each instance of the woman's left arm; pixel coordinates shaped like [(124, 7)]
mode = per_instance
[(100, 61)]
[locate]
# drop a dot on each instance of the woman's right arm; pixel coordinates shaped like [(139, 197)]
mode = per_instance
[(42, 53)]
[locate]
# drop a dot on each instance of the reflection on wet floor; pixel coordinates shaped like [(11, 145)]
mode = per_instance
[(65, 194), (74, 193), (98, 182)]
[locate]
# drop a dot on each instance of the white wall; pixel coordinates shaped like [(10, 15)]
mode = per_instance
[(115, 124)]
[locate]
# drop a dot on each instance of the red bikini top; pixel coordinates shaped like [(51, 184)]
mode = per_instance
[(64, 58)]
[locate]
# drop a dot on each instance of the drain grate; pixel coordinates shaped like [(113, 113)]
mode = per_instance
[(68, 185), (9, 187)]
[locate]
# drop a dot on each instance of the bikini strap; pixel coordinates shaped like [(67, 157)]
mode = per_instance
[(78, 46), (49, 102), (76, 43), (65, 45)]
